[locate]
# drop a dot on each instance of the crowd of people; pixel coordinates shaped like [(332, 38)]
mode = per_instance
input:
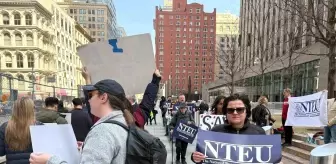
[(105, 101)]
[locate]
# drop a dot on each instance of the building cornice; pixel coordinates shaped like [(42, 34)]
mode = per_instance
[(37, 5)]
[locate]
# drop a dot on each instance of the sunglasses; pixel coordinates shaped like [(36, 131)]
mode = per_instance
[(238, 110), (91, 94)]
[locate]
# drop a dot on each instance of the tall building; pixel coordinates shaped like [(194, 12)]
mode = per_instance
[(38, 44), (98, 17), (185, 45), (122, 32), (271, 44), (227, 34)]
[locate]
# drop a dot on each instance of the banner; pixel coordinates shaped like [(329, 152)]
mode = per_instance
[(207, 121), (128, 60), (191, 107), (185, 132), (221, 148), (308, 111)]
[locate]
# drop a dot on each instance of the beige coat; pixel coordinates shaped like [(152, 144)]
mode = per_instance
[(332, 111)]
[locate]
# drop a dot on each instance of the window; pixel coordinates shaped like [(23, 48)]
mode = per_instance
[(29, 20), (19, 61), (30, 40), (30, 61), (7, 39), (9, 60), (18, 39), (17, 19), (5, 19), (21, 82)]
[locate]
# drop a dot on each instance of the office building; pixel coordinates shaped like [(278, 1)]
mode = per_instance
[(97, 17), (268, 52), (122, 32), (185, 45), (227, 34), (38, 44)]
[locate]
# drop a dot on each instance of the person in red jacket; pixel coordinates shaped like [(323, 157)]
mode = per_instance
[(288, 129)]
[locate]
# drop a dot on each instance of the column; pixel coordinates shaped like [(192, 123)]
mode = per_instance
[(25, 60), (34, 17), (36, 60), (35, 39)]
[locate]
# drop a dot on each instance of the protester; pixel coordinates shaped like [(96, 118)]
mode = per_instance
[(80, 120), (105, 143), (147, 103), (238, 111), (163, 106), (49, 114), (181, 99), (168, 117), (203, 108), (182, 115), (15, 142), (330, 130), (61, 108), (288, 129), (217, 106), (261, 115), (155, 112)]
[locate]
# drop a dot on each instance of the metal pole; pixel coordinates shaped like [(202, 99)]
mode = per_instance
[(10, 88), (33, 79)]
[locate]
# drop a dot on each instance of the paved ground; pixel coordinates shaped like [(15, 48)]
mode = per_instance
[(159, 131)]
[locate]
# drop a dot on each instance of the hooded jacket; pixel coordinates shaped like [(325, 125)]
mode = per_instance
[(50, 116), (105, 143)]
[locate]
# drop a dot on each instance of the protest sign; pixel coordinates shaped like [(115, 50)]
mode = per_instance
[(207, 121), (236, 148), (128, 60), (308, 111), (63, 143), (185, 132), (190, 106)]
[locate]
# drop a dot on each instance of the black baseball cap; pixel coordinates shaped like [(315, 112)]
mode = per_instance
[(183, 105), (109, 86)]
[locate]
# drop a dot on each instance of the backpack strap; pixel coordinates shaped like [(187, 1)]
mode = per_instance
[(117, 123)]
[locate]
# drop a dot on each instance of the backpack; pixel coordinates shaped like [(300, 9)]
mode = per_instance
[(142, 147)]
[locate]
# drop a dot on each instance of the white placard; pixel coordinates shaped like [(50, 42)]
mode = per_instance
[(207, 121), (57, 140), (130, 61), (308, 111)]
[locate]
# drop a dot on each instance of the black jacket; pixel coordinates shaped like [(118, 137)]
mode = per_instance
[(13, 157), (259, 115), (81, 123), (180, 116), (248, 128)]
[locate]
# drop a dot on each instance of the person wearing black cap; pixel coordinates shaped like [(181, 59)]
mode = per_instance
[(105, 143), (181, 146)]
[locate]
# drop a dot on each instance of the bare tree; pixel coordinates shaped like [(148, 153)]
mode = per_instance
[(318, 22), (228, 59)]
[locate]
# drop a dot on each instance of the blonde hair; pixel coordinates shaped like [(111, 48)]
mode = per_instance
[(263, 100), (17, 134), (288, 90)]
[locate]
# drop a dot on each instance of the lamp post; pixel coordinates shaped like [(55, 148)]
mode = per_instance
[(33, 81)]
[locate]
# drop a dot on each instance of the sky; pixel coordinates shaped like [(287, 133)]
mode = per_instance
[(136, 16)]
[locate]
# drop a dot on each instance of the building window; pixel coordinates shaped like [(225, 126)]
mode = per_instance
[(30, 61), (18, 39), (19, 61), (5, 18), (29, 20), (17, 19), (7, 39), (9, 60), (30, 41), (21, 82)]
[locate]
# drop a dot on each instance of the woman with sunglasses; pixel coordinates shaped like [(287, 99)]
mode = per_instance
[(238, 111)]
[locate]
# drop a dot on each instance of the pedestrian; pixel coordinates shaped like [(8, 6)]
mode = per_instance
[(181, 146)]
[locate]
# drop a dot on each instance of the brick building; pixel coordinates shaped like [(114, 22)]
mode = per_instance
[(185, 46)]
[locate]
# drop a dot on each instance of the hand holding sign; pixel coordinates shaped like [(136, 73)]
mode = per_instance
[(198, 157)]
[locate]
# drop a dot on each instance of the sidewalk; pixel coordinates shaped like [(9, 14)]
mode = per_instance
[(159, 131)]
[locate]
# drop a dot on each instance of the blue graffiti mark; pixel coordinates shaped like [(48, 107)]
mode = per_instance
[(113, 43)]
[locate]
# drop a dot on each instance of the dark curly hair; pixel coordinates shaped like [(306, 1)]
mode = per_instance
[(243, 98), (215, 103)]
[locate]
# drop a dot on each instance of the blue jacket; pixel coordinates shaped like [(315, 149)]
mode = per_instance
[(14, 157)]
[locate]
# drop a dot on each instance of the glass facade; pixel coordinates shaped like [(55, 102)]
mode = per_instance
[(304, 81)]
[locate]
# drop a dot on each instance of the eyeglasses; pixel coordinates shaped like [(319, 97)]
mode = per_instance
[(238, 110)]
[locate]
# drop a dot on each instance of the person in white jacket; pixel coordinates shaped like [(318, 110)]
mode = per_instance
[(330, 130)]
